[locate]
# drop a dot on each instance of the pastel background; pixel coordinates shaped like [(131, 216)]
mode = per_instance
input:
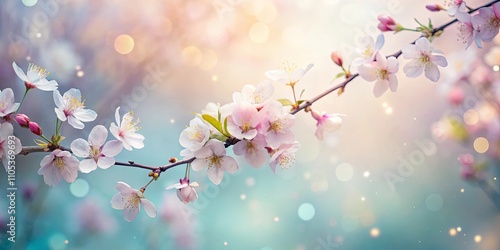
[(166, 60)]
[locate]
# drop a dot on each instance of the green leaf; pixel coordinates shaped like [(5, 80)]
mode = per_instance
[(216, 124), (341, 74), (285, 102), (430, 24), (226, 133), (302, 92), (219, 137), (300, 101)]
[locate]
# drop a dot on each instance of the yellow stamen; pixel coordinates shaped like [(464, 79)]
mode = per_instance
[(42, 72)]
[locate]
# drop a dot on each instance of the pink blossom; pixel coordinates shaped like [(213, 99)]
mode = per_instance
[(467, 171), (456, 6), (284, 156), (469, 29), (58, 165), (276, 125), (243, 122), (70, 107), (126, 130), (95, 151), (383, 72), (35, 77), (213, 157), (254, 150), (7, 105), (326, 123), (130, 200), (489, 22), (185, 190), (6, 145), (423, 58)]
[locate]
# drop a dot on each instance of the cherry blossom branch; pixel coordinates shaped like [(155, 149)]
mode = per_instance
[(398, 53)]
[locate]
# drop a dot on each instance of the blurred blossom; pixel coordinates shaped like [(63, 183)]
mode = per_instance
[(7, 105), (92, 218), (181, 221), (481, 76), (456, 96), (29, 190), (6, 131)]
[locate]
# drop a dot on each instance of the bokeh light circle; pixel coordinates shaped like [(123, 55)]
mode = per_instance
[(481, 145), (124, 44), (306, 211), (79, 188), (344, 172), (29, 3), (258, 33)]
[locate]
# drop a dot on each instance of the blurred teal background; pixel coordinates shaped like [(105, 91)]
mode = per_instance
[(166, 60)]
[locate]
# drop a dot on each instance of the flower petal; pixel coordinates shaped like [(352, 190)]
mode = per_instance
[(85, 115), (98, 136), (19, 72), (118, 201), (112, 148), (87, 165), (215, 175), (105, 162), (149, 207), (380, 87), (75, 122), (80, 148), (229, 164)]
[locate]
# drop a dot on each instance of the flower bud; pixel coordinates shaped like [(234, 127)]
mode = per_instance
[(35, 128), (388, 24), (337, 58), (23, 120), (434, 7)]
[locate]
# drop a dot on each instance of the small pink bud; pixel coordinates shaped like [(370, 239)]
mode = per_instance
[(35, 128), (387, 24), (434, 7), (337, 58), (467, 172), (456, 96), (23, 120)]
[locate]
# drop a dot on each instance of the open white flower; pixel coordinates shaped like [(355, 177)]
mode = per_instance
[(35, 77), (129, 200), (58, 165), (195, 136), (367, 48), (7, 105), (71, 107), (6, 139), (423, 58), (256, 95), (383, 72), (213, 157), (289, 75), (125, 131), (95, 152)]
